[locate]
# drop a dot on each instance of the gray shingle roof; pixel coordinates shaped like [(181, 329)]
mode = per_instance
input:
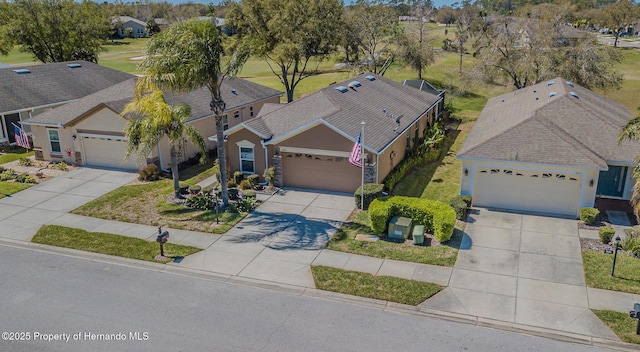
[(119, 95), (53, 83), (345, 111), (558, 123)]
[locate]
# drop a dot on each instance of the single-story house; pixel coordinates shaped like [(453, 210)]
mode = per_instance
[(309, 140), (548, 148), (27, 91), (90, 131), (138, 28)]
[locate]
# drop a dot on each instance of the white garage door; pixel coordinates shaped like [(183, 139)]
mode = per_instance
[(107, 152), (530, 191), (331, 173)]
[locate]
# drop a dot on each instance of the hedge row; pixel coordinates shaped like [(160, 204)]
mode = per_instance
[(437, 217), (408, 163)]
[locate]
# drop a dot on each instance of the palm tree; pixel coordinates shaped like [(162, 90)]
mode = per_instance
[(153, 119), (631, 132), (187, 56)]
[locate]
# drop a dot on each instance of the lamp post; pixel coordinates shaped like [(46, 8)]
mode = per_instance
[(615, 255)]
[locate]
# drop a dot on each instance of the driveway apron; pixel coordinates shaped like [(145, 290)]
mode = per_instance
[(522, 269)]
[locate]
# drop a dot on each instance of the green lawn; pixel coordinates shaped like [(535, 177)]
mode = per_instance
[(597, 270), (8, 155), (105, 243), (621, 324), (386, 288), (9, 188), (358, 223)]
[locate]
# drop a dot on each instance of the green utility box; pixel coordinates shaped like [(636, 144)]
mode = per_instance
[(399, 227), (418, 234)]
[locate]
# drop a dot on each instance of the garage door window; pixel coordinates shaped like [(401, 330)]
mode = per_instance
[(54, 141), (246, 160)]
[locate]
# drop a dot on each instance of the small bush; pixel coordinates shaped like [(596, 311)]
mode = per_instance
[(1, 168), (7, 175), (201, 201), (606, 234), (249, 193), (183, 187), (233, 193), (588, 215), (207, 190), (195, 189), (231, 184), (459, 206), (25, 162), (244, 205), (150, 172), (60, 165), (30, 179), (253, 180), (270, 175), (245, 184), (238, 176), (466, 198), (631, 242), (371, 192)]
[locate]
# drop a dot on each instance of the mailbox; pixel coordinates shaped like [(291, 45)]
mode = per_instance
[(163, 237)]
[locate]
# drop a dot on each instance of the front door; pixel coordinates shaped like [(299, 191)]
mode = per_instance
[(12, 119), (611, 182)]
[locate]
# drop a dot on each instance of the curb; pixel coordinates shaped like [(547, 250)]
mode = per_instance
[(327, 295)]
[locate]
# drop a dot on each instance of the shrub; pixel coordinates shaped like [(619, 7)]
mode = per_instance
[(25, 178), (253, 180), (408, 163), (371, 192), (7, 175), (231, 184), (25, 162), (60, 165), (459, 206), (150, 172), (195, 189), (606, 234), (207, 190), (238, 176), (1, 168), (588, 215), (466, 198), (183, 187), (245, 184), (244, 205), (30, 179), (249, 193), (631, 241), (233, 193), (437, 217), (270, 175), (201, 201)]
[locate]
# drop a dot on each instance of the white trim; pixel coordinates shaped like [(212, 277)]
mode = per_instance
[(59, 142), (530, 163), (245, 143), (102, 136), (266, 155)]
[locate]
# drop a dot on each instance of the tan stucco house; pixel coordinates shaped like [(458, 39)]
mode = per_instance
[(90, 132), (30, 90), (309, 140), (548, 148)]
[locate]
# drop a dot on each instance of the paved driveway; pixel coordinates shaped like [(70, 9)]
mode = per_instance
[(522, 269), (22, 213), (279, 240)]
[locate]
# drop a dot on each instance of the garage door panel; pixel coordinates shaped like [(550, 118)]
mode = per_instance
[(544, 192), (107, 152), (320, 172)]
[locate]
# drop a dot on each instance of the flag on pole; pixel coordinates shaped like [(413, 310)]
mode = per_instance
[(21, 137), (356, 156)]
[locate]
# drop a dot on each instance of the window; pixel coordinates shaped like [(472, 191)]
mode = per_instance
[(54, 141), (225, 122), (251, 111), (246, 160), (236, 114)]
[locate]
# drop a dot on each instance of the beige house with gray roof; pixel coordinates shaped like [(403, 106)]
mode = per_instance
[(310, 139), (548, 148)]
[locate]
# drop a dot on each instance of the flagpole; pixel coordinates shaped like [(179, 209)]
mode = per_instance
[(363, 162)]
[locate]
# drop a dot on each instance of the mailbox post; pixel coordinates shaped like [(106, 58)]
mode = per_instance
[(635, 313), (163, 237)]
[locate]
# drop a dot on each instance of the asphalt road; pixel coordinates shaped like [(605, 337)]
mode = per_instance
[(144, 310)]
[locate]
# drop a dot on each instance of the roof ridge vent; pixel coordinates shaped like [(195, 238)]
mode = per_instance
[(22, 71), (574, 94), (354, 84), (74, 65), (570, 84), (342, 89), (550, 83), (371, 78), (553, 94)]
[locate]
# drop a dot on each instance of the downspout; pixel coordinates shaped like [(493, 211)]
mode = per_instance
[(160, 160), (266, 155)]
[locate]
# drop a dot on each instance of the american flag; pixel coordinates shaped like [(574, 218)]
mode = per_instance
[(355, 157), (21, 137)]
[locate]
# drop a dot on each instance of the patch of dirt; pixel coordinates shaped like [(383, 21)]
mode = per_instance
[(601, 220), (40, 170)]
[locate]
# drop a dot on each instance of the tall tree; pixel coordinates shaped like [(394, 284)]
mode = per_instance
[(617, 16), (159, 119), (378, 31), (415, 45), (6, 41), (289, 34), (190, 55), (631, 132), (58, 30)]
